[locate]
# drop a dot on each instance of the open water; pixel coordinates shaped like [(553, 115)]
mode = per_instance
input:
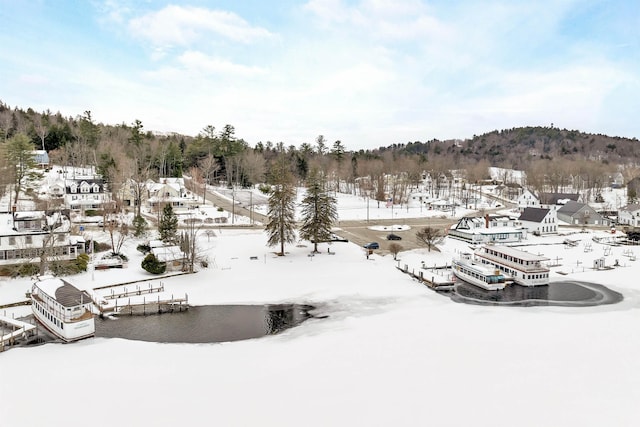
[(563, 293), (205, 324)]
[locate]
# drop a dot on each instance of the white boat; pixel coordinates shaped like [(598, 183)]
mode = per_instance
[(470, 271), (62, 309), (524, 268)]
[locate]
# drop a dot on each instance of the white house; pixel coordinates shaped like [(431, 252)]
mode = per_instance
[(82, 194), (539, 221), (57, 188), (527, 199), (24, 235), (170, 191), (630, 215), (477, 230)]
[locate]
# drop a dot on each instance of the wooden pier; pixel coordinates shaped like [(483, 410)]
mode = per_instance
[(12, 330), (152, 306), (434, 279)]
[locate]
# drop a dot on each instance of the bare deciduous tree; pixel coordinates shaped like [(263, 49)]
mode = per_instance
[(395, 248), (429, 237)]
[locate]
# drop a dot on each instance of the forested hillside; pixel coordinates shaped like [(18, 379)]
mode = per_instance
[(519, 146), (549, 155)]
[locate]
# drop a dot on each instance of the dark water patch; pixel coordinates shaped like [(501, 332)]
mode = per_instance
[(206, 324), (563, 293)]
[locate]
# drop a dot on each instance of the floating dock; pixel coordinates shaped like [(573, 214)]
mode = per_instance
[(137, 299), (12, 330), (438, 278)]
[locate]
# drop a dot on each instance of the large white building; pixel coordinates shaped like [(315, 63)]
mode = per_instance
[(25, 235)]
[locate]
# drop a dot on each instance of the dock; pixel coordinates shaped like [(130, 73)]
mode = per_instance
[(438, 279), (138, 300), (12, 330)]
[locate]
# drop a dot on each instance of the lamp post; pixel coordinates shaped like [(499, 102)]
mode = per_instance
[(251, 207), (367, 209), (233, 206)]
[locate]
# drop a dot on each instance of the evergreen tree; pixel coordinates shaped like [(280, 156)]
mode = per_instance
[(151, 264), (632, 196), (168, 225), (18, 154), (282, 209), (319, 211), (139, 226)]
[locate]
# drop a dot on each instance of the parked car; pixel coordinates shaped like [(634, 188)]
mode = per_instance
[(372, 245), (393, 237)]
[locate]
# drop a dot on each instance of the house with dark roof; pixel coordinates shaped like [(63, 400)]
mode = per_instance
[(496, 229), (539, 221), (82, 194), (630, 215), (577, 213), (550, 199)]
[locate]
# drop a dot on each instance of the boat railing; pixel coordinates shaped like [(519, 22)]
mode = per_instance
[(60, 313)]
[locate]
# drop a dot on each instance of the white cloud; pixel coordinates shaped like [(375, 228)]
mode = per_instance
[(184, 25), (199, 62), (113, 10)]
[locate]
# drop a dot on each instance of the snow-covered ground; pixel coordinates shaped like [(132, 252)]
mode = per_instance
[(391, 351)]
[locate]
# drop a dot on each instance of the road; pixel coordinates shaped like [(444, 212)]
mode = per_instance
[(359, 232), (356, 231), (242, 206)]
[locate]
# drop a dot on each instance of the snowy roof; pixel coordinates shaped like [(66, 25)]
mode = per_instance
[(64, 292), (168, 253), (554, 198), (28, 215), (516, 253), (633, 207)]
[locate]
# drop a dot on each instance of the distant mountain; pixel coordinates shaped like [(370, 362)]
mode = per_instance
[(516, 146)]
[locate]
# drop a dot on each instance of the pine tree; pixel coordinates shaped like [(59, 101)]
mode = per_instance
[(18, 153), (319, 211), (139, 226), (281, 226), (168, 225), (151, 264)]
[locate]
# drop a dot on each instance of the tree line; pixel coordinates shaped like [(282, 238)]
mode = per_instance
[(549, 156)]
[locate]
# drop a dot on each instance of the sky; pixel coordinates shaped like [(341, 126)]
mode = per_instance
[(369, 73)]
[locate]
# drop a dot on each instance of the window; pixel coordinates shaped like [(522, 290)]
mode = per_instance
[(12, 240), (28, 239)]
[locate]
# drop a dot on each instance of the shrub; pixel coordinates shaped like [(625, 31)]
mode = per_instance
[(101, 247), (121, 256), (264, 188), (144, 248), (151, 264), (82, 261), (26, 270)]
